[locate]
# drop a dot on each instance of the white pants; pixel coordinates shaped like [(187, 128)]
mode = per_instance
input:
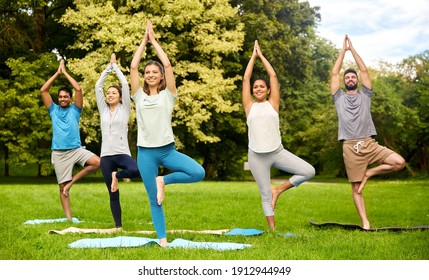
[(260, 165)]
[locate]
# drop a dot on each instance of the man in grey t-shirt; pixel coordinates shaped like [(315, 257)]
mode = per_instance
[(356, 129)]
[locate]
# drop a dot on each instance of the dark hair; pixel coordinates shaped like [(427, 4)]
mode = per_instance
[(162, 85), (119, 89), (66, 89), (350, 70), (260, 79)]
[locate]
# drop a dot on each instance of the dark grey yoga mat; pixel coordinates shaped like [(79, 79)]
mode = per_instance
[(358, 227)]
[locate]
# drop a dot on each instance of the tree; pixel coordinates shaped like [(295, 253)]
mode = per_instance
[(209, 43), (25, 128), (286, 32), (415, 72), (28, 29), (196, 42), (204, 45)]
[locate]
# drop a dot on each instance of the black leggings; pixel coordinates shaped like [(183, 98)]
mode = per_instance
[(129, 168)]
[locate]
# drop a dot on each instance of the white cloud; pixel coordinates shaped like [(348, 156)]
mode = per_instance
[(388, 30)]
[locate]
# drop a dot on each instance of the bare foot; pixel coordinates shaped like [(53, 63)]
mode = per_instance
[(271, 222), (163, 242), (160, 189), (275, 193), (366, 225), (115, 186), (362, 184), (66, 189)]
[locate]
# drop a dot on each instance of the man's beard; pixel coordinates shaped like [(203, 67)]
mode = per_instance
[(351, 87)]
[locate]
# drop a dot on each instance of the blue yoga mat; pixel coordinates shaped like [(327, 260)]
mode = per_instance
[(49, 221), (130, 241), (288, 234), (244, 231), (119, 241), (252, 231), (221, 246)]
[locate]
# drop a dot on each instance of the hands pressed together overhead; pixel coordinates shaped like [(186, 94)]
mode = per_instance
[(347, 44), (61, 67)]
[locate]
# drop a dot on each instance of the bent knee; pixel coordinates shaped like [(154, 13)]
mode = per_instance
[(311, 172), (93, 161), (199, 174), (400, 164), (396, 161), (135, 172)]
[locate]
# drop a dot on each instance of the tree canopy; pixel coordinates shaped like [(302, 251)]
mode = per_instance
[(209, 44)]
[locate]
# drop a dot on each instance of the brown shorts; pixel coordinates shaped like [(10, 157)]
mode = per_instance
[(360, 153)]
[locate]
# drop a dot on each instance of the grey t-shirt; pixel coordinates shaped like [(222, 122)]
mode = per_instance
[(354, 114)]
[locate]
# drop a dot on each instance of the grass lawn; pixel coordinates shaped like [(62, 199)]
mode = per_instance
[(219, 205)]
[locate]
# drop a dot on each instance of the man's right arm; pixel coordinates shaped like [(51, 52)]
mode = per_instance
[(46, 97), (335, 73)]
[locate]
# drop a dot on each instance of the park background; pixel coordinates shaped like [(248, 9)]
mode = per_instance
[(209, 44)]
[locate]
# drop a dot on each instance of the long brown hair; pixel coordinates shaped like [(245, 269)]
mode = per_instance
[(161, 85)]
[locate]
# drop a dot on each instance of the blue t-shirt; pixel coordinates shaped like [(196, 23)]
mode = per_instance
[(65, 127)]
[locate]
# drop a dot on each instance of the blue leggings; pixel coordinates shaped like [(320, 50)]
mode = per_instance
[(184, 170), (129, 168)]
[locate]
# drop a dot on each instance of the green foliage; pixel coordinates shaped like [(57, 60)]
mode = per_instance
[(196, 42), (415, 87), (30, 27), (285, 31), (209, 44), (25, 127)]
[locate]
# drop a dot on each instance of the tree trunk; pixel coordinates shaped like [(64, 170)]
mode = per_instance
[(6, 157)]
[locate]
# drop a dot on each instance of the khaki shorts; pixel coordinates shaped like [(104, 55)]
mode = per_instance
[(65, 160), (360, 153)]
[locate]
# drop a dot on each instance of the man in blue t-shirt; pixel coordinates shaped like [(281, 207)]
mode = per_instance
[(356, 129), (66, 145)]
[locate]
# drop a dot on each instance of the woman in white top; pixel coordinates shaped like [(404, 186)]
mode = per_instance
[(155, 138), (265, 146), (115, 110)]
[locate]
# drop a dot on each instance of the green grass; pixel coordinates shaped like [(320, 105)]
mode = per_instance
[(219, 205)]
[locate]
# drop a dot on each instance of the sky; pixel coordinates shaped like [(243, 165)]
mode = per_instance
[(380, 30)]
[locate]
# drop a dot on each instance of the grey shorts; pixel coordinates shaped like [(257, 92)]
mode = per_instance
[(65, 160), (360, 153)]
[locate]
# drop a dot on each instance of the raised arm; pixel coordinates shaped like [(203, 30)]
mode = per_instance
[(169, 74), (335, 74), (134, 68), (99, 87), (366, 80), (46, 97), (124, 84), (274, 82), (246, 88), (78, 99)]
